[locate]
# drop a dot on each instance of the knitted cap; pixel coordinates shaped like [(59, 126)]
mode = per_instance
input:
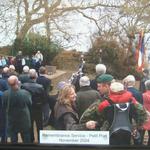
[(104, 78), (116, 87), (84, 81)]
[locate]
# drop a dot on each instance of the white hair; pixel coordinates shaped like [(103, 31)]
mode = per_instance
[(12, 67), (129, 80), (33, 73), (26, 69), (100, 69), (84, 81)]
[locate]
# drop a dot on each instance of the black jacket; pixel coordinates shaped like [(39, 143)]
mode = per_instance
[(37, 92)]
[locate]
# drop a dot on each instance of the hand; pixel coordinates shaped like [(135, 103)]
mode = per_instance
[(91, 124)]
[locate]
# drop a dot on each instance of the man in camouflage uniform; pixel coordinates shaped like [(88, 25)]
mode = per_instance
[(92, 113), (103, 83)]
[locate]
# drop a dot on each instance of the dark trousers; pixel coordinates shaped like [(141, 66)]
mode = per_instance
[(37, 116), (25, 135), (52, 102)]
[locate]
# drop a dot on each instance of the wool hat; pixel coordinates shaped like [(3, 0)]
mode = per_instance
[(61, 84), (104, 78), (84, 81), (116, 87)]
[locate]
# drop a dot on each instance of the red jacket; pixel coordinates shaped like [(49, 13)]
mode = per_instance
[(117, 97)]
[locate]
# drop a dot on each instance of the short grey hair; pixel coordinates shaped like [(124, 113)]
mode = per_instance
[(33, 74), (129, 80), (26, 69), (84, 81), (100, 69), (147, 84)]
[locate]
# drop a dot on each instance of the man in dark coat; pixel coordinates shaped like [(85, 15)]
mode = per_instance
[(18, 64), (129, 83), (85, 96), (38, 100), (24, 77), (144, 78), (17, 104), (48, 108)]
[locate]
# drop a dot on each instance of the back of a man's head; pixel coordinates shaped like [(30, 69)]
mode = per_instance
[(100, 69), (26, 69), (129, 80), (32, 74), (84, 81), (13, 81), (42, 70), (12, 67)]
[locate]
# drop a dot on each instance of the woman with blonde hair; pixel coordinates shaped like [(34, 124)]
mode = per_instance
[(66, 117)]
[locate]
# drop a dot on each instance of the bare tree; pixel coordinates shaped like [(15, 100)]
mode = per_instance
[(112, 19)]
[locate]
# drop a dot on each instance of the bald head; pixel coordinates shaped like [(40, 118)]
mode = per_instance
[(13, 80)]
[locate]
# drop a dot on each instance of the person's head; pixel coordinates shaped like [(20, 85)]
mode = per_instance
[(100, 69), (12, 68), (26, 69), (5, 70), (19, 52), (42, 70), (129, 81), (103, 83), (33, 74), (13, 82), (67, 95), (84, 81), (61, 85), (146, 72), (147, 84), (116, 88)]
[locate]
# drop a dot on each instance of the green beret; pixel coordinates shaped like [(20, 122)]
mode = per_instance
[(104, 78)]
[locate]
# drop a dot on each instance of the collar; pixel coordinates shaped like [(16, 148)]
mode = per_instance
[(85, 88)]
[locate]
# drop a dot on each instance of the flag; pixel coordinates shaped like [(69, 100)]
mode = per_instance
[(140, 52)]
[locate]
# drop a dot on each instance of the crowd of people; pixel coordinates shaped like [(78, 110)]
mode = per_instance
[(19, 61), (95, 104)]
